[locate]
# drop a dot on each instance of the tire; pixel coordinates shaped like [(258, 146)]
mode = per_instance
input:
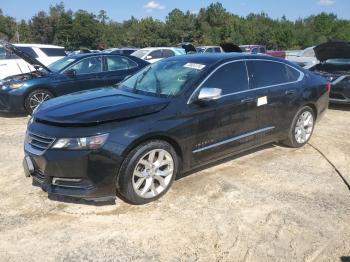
[(300, 133), (133, 180), (35, 98)]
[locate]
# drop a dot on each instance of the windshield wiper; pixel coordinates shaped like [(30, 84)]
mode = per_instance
[(140, 78), (158, 88)]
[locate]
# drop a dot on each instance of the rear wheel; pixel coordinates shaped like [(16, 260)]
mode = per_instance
[(147, 173), (302, 128), (35, 98)]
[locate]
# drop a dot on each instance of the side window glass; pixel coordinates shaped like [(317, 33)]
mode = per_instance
[(217, 50), (231, 78), (88, 66), (267, 73), (209, 50), (116, 63), (28, 50), (156, 54), (168, 53)]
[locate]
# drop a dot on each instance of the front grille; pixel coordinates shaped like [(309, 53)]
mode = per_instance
[(39, 142)]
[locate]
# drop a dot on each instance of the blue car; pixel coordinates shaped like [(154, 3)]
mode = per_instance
[(23, 93)]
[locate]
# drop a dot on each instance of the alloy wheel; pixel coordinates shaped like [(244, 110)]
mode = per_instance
[(153, 173), (304, 127), (37, 98)]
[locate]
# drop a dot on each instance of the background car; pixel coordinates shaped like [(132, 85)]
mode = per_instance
[(260, 49), (304, 58), (171, 117), (154, 54), (209, 49), (334, 65), (10, 64), (24, 92)]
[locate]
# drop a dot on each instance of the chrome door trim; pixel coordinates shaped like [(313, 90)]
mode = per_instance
[(301, 77), (233, 139)]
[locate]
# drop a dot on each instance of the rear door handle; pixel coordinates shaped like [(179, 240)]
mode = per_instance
[(247, 100), (290, 92)]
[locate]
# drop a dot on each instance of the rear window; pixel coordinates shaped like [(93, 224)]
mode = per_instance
[(53, 51), (268, 73)]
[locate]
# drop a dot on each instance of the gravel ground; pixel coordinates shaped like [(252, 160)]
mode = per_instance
[(273, 204)]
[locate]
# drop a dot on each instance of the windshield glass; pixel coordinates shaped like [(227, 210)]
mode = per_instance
[(338, 61), (140, 53), (61, 63), (165, 78)]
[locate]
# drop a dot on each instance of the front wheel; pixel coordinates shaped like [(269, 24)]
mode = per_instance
[(302, 128), (147, 173), (35, 98)]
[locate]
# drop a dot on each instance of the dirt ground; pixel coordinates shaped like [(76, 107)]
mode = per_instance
[(273, 204)]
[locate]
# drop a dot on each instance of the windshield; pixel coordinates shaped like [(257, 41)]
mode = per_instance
[(140, 53), (165, 78), (338, 61), (61, 64)]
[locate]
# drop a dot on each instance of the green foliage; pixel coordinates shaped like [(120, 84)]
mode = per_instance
[(212, 25)]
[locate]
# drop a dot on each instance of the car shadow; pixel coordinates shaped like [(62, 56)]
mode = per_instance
[(339, 107), (73, 200), (12, 115), (345, 259), (225, 160)]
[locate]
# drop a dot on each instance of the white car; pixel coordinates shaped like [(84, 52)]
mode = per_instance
[(304, 58), (154, 54), (10, 64), (209, 49)]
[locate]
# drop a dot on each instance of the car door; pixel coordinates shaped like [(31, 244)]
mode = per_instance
[(83, 75), (227, 124), (117, 68), (277, 88)]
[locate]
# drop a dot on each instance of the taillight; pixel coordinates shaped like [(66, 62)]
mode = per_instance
[(328, 87)]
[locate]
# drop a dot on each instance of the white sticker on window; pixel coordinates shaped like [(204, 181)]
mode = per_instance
[(262, 101), (194, 66)]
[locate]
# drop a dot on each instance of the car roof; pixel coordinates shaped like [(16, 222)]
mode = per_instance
[(213, 58), (156, 48), (83, 55), (208, 46)]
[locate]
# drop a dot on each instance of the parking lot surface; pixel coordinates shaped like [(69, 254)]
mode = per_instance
[(275, 203)]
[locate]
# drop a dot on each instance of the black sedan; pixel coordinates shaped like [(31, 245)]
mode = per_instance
[(171, 117), (24, 92), (334, 65)]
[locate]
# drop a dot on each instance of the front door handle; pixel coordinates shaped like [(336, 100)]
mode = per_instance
[(247, 100), (290, 92)]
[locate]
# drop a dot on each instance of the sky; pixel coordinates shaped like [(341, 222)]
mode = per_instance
[(122, 10)]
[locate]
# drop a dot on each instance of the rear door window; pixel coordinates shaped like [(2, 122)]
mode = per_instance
[(115, 63), (156, 54), (168, 53), (269, 73), (230, 78), (53, 51), (217, 50)]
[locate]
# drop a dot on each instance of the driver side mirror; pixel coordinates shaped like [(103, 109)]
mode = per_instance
[(71, 73), (209, 94), (149, 57)]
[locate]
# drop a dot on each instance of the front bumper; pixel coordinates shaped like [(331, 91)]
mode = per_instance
[(83, 174), (11, 102)]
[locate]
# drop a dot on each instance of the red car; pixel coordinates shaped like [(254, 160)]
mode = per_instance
[(260, 49)]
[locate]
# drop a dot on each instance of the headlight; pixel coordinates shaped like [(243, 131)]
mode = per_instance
[(83, 143), (16, 85)]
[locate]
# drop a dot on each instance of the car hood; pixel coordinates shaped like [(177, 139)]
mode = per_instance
[(332, 50), (97, 106), (26, 57)]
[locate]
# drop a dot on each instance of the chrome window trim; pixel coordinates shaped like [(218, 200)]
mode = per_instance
[(301, 77), (258, 131)]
